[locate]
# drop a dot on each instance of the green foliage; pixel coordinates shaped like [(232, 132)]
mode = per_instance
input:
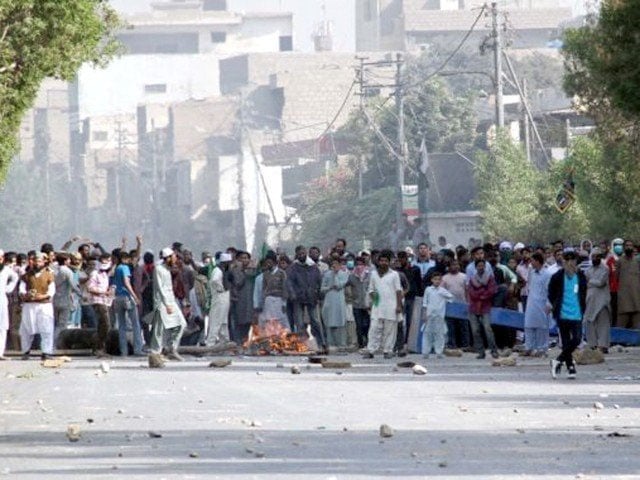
[(46, 38), (601, 59), (607, 182), (601, 71), (447, 122), (507, 193), (517, 200), (331, 210)]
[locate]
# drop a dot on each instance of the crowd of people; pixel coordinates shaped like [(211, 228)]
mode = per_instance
[(388, 301)]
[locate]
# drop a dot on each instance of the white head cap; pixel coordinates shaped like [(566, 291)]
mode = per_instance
[(166, 252), (505, 246), (225, 257), (1, 252), (518, 246)]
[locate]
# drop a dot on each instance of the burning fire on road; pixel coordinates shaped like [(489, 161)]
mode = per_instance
[(274, 339)]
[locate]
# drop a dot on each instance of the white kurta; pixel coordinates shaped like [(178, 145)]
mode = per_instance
[(164, 297), (8, 281), (535, 315), (386, 288), (37, 318), (219, 310)]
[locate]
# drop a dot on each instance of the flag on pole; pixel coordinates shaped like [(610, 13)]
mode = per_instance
[(264, 250), (424, 158)]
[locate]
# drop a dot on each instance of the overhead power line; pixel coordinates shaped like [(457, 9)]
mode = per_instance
[(344, 103), (452, 54)]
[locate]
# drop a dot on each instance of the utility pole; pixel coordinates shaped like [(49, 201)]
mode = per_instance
[(401, 155), (116, 170), (401, 141), (497, 57), (360, 73), (525, 123)]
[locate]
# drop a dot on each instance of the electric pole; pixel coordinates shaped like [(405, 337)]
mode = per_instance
[(497, 56), (525, 122), (401, 142), (121, 133), (360, 73), (400, 154)]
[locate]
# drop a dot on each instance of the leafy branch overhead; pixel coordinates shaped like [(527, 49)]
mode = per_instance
[(46, 38)]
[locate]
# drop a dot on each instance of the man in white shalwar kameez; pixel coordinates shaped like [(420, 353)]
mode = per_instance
[(37, 289), (8, 281), (168, 315), (220, 303)]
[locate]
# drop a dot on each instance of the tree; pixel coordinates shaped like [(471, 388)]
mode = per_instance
[(607, 183), (506, 191), (516, 199), (46, 38), (331, 209), (602, 74), (601, 59), (446, 121)]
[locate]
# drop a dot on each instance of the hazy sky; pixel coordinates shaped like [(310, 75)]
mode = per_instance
[(306, 13)]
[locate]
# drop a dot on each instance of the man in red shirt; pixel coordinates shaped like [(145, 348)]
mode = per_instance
[(481, 290)]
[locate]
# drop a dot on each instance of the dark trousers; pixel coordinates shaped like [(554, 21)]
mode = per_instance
[(316, 326), (241, 333), (363, 321), (88, 317), (399, 338), (291, 315), (571, 335), (408, 311), (482, 324), (614, 307), (102, 317), (238, 327), (458, 333)]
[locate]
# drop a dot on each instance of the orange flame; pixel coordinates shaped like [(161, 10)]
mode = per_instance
[(273, 338)]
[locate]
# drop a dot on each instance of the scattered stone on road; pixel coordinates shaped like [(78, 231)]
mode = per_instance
[(73, 432), (504, 362), (335, 364), (220, 363), (588, 357), (419, 370), (386, 431), (295, 370), (452, 352), (153, 434)]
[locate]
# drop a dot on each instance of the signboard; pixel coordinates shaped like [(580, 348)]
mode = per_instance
[(410, 200)]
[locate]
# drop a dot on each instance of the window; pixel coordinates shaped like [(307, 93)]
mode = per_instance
[(468, 226), (99, 136), (286, 43), (155, 88), (220, 5), (218, 37)]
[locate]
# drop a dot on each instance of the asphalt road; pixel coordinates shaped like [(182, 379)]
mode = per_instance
[(256, 420)]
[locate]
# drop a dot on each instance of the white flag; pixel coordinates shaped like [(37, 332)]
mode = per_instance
[(424, 158)]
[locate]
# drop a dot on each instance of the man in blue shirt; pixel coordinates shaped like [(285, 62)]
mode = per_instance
[(567, 295), (125, 305)]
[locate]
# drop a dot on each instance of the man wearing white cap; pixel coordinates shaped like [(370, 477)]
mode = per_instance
[(168, 315), (8, 281), (37, 289), (220, 302)]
